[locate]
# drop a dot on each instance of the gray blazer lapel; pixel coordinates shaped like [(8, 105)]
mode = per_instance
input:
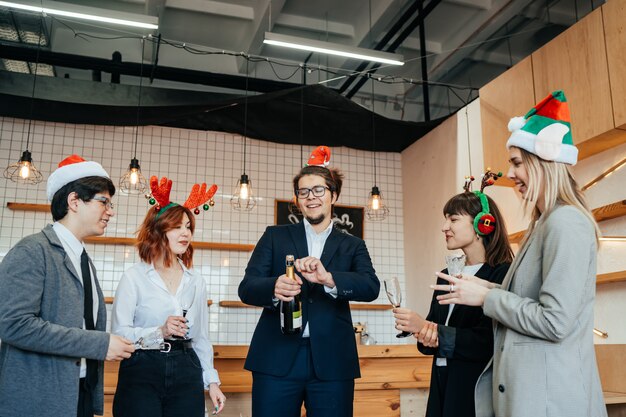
[(54, 240)]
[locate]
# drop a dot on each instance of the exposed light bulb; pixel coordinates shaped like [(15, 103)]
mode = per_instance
[(244, 192), (375, 202), (134, 176), (25, 170)]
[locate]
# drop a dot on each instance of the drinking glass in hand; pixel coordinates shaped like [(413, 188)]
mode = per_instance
[(455, 264), (186, 301), (394, 294)]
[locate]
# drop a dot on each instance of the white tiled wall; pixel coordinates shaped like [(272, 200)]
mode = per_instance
[(188, 156)]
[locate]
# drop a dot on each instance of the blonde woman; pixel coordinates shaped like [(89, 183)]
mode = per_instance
[(544, 361)]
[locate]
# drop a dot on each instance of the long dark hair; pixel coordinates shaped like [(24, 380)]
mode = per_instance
[(497, 246)]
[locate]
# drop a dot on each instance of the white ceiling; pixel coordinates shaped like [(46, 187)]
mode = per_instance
[(468, 42)]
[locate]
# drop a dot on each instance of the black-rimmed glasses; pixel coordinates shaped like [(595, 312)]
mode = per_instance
[(318, 191), (105, 201)]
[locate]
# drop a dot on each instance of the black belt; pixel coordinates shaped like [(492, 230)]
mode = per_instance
[(170, 345)]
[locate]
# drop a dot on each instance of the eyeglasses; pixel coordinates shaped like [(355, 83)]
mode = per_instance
[(105, 201), (318, 191)]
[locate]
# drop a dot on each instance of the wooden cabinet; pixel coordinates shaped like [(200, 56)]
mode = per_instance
[(576, 62), (588, 62), (509, 95), (614, 17)]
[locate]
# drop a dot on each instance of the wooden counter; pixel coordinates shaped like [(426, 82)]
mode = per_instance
[(385, 369)]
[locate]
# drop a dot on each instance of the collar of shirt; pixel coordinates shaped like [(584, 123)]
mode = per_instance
[(315, 241), (76, 246), (151, 272)]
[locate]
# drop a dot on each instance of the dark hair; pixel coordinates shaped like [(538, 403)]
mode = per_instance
[(86, 188), (333, 177), (497, 246), (151, 239)]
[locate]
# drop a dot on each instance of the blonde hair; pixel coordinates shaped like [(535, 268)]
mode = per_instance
[(554, 180)]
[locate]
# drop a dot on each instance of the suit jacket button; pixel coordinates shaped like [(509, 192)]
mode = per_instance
[(501, 388), (501, 348), (78, 362)]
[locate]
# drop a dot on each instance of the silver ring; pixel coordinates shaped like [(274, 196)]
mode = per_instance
[(451, 287)]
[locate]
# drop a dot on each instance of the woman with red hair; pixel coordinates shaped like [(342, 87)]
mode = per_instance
[(173, 363)]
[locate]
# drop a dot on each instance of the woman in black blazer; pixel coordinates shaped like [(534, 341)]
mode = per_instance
[(461, 341)]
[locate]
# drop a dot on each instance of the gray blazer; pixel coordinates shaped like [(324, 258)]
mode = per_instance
[(544, 363), (41, 327)]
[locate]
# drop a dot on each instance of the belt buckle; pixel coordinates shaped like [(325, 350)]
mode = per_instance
[(166, 345)]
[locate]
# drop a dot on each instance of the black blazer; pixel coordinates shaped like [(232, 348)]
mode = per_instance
[(467, 344), (333, 345)]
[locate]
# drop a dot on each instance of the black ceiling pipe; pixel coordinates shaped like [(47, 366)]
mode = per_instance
[(383, 42), (392, 48), (12, 51)]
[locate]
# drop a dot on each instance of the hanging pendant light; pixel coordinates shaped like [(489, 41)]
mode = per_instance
[(133, 181), (243, 198), (375, 209), (24, 171)]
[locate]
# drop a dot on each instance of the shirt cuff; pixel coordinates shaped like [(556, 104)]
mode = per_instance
[(331, 291)]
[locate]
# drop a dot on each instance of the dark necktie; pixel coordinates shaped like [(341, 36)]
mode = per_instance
[(92, 365)]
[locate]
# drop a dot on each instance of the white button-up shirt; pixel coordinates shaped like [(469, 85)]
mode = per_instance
[(74, 249), (315, 244), (143, 304)]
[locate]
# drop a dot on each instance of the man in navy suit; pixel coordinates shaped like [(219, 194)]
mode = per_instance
[(317, 366)]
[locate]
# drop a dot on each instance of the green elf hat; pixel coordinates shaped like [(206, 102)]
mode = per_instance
[(545, 130)]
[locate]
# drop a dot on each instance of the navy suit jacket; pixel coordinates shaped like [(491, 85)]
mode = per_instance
[(333, 345)]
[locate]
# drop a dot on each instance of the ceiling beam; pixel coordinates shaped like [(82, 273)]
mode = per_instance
[(218, 8), (474, 4), (236, 82), (315, 25), (414, 44)]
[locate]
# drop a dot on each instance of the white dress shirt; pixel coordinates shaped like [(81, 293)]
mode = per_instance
[(74, 249), (315, 243), (143, 304), (467, 270)]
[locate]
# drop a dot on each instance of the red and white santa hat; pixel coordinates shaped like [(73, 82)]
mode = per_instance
[(71, 169), (319, 157)]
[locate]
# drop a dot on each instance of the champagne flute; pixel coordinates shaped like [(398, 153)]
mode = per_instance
[(394, 294), (187, 297), (455, 264)]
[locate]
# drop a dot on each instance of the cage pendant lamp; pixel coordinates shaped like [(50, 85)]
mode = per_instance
[(375, 210), (133, 181), (24, 170), (243, 198)]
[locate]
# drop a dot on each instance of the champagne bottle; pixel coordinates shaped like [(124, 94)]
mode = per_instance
[(291, 311)]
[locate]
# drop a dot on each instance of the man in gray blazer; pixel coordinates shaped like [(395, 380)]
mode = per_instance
[(52, 314)]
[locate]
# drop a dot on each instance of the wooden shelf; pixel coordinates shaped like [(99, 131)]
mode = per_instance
[(109, 300), (130, 241), (618, 276), (239, 304), (42, 208), (608, 212)]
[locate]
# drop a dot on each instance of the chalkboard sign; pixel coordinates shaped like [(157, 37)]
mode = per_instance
[(347, 219)]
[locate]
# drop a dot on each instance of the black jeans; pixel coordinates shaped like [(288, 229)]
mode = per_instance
[(156, 384)]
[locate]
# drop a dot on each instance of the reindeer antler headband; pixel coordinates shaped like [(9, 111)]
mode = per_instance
[(161, 196), (484, 222)]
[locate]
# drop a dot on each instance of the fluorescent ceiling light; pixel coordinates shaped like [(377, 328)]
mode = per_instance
[(332, 49), (87, 13)]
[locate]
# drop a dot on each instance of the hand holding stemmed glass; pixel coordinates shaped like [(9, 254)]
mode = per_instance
[(394, 294), (187, 298)]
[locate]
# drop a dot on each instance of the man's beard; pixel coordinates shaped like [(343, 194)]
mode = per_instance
[(316, 220)]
